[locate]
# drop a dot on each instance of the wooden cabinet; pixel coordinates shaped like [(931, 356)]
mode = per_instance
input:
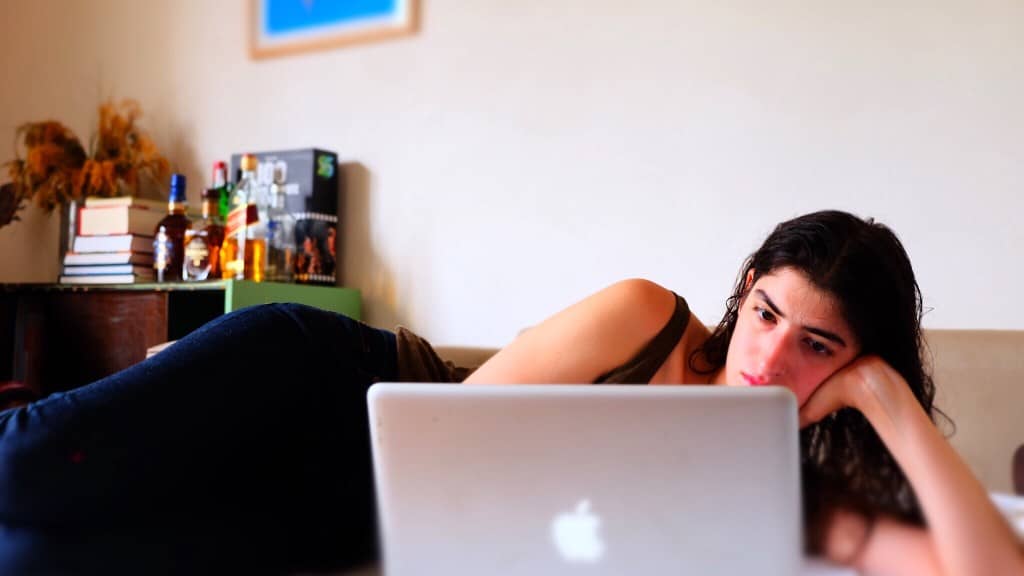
[(59, 337)]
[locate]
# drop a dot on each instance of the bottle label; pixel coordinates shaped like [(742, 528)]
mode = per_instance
[(196, 252), (234, 268), (225, 200), (241, 217), (197, 258)]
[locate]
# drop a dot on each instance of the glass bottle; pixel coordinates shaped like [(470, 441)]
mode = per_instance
[(220, 183), (203, 242), (168, 253), (280, 230), (243, 254)]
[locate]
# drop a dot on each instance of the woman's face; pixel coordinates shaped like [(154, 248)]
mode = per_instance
[(788, 333)]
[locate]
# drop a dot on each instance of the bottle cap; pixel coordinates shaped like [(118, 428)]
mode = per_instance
[(220, 173), (248, 163), (177, 188)]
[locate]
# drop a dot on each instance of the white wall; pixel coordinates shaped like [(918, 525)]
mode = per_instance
[(515, 156)]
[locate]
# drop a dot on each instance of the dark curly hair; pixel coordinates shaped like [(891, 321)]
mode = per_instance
[(865, 267)]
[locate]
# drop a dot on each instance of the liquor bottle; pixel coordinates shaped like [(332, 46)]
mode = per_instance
[(168, 253), (203, 241), (243, 254), (220, 183), (280, 230)]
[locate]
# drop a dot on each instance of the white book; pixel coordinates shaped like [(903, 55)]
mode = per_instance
[(105, 279), (118, 220), (150, 204), (85, 259), (113, 243), (145, 271)]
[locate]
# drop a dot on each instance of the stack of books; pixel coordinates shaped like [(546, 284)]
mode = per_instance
[(114, 242)]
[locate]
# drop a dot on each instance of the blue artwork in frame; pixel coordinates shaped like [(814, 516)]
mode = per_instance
[(287, 26)]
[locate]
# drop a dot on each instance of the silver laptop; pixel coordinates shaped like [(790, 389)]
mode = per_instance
[(534, 480)]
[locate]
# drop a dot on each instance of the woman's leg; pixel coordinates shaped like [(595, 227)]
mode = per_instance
[(244, 445)]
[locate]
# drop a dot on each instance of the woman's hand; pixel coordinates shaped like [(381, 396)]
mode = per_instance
[(865, 378)]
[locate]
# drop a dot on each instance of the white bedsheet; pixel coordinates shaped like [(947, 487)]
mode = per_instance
[(1013, 508)]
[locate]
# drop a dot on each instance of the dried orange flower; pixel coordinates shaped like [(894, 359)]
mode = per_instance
[(56, 168)]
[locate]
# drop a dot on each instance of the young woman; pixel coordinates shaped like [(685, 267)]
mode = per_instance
[(829, 308), (219, 453)]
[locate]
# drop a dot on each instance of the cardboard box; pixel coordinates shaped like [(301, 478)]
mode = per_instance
[(312, 199)]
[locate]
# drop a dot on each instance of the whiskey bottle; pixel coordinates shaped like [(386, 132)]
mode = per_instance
[(244, 254), (168, 252), (280, 230), (203, 241), (220, 182)]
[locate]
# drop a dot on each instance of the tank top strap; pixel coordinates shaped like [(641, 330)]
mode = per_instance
[(642, 367)]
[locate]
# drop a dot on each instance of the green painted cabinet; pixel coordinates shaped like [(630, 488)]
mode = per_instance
[(242, 293)]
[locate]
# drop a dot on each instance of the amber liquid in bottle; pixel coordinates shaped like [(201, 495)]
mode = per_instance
[(203, 243), (169, 253), (254, 254), (244, 252)]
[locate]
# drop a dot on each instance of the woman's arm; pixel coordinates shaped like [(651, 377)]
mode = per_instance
[(585, 340), (880, 545), (966, 534)]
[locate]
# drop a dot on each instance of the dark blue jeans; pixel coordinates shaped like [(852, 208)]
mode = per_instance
[(243, 448)]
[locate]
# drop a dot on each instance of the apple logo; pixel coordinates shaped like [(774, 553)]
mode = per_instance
[(575, 534)]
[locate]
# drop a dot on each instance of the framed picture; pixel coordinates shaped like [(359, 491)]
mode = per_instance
[(279, 27)]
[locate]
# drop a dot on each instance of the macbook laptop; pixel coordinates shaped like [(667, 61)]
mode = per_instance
[(555, 479)]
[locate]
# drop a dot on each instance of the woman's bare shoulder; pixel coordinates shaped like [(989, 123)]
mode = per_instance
[(586, 339), (655, 304), (647, 303)]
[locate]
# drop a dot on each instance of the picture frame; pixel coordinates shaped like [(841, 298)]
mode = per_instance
[(284, 27)]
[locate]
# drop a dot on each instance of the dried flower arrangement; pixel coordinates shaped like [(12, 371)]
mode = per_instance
[(56, 169)]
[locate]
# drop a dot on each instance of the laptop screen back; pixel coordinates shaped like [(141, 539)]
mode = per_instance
[(586, 479)]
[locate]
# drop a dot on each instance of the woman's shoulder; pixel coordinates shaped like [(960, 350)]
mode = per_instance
[(668, 332), (654, 304), (587, 339), (640, 288), (648, 303)]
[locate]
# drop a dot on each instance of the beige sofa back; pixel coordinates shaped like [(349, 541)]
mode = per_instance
[(978, 375)]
